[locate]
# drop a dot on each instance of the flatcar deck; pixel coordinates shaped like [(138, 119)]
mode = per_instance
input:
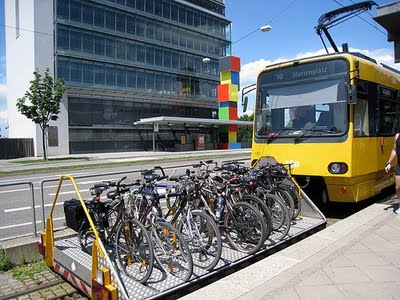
[(75, 264)]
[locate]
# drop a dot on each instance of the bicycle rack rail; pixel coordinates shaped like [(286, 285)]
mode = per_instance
[(66, 257)]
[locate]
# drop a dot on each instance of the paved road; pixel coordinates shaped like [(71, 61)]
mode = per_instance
[(17, 215)]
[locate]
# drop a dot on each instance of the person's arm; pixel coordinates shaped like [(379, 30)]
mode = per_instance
[(392, 154)]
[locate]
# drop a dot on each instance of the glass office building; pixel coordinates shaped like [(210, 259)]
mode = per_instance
[(125, 60)]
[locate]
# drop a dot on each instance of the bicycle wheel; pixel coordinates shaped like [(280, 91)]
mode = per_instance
[(203, 238), (292, 190), (86, 238), (264, 211), (134, 250), (245, 228), (280, 216), (288, 200), (171, 251)]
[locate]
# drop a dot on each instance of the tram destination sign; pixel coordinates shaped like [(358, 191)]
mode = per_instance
[(306, 71)]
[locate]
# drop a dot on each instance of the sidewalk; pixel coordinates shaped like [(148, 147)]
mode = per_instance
[(35, 163), (356, 258)]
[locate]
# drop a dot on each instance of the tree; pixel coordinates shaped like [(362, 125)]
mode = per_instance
[(245, 134), (45, 97)]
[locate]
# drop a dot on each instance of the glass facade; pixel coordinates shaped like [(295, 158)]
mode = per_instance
[(151, 50)]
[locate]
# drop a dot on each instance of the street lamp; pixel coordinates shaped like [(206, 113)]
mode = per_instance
[(263, 28)]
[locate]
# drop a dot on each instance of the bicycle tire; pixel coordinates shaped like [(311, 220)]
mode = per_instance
[(203, 238), (288, 200), (171, 251), (86, 238), (280, 216), (134, 250), (292, 190), (263, 209), (244, 228)]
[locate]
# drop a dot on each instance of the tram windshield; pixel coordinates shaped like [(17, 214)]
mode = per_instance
[(303, 98)]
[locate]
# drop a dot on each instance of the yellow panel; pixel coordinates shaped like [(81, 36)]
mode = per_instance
[(232, 137), (233, 92), (225, 77)]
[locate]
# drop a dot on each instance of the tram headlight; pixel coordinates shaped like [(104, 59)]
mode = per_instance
[(338, 168)]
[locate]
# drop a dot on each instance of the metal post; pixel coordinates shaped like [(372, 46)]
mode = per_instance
[(154, 137)]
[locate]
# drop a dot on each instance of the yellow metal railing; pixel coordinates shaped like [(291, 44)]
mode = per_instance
[(48, 239)]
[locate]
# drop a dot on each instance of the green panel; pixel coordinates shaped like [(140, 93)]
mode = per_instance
[(223, 113)]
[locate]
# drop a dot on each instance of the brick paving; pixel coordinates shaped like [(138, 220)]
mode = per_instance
[(43, 285)]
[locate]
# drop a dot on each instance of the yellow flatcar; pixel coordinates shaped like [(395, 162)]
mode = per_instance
[(333, 118)]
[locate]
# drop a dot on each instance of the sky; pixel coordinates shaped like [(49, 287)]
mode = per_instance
[(292, 36)]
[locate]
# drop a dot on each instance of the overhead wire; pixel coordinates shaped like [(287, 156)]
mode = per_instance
[(270, 21), (373, 26)]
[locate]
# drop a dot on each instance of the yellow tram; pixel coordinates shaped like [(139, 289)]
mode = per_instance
[(333, 118)]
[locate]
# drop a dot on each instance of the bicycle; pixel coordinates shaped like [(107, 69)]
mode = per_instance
[(242, 223), (198, 228), (128, 236), (171, 250)]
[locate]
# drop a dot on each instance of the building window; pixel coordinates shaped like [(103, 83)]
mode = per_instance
[(53, 136), (110, 19), (87, 14), (87, 42), (87, 70), (99, 77), (62, 39), (120, 20), (75, 11), (99, 17)]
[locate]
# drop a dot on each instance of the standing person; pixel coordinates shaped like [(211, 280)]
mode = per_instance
[(395, 153)]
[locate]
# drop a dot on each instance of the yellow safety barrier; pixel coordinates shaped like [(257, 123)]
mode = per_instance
[(48, 235)]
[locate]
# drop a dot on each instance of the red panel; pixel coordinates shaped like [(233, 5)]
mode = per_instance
[(235, 63), (233, 128), (223, 92), (233, 113)]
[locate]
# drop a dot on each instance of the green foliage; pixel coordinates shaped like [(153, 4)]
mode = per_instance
[(245, 134), (41, 103), (28, 270), (5, 263)]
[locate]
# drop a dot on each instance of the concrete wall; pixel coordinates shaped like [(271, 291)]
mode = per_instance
[(32, 50), (19, 65)]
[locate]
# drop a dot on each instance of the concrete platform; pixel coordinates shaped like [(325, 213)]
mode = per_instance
[(356, 258)]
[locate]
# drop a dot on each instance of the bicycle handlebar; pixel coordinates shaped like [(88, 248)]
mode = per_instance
[(161, 169)]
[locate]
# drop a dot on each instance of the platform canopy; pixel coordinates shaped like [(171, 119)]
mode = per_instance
[(163, 120)]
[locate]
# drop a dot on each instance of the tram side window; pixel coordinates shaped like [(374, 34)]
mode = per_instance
[(388, 108), (263, 116), (361, 121)]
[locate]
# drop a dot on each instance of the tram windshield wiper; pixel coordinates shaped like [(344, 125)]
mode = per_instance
[(306, 133), (276, 134)]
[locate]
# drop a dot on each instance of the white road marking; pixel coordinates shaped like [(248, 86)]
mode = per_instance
[(26, 224), (28, 207), (55, 186)]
